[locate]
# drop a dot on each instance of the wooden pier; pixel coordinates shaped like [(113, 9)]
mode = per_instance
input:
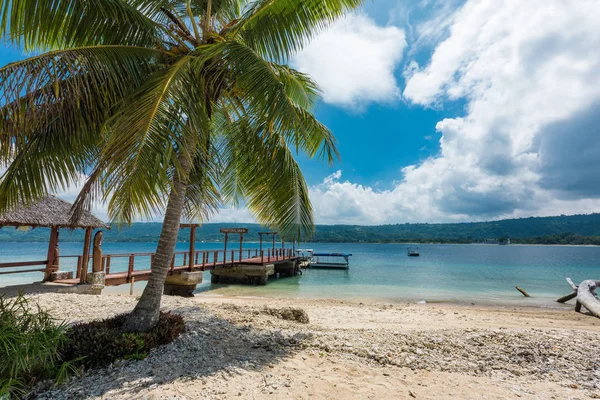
[(203, 260), (253, 266)]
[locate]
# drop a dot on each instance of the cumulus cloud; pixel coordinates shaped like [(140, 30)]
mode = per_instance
[(523, 68), (527, 142), (354, 61)]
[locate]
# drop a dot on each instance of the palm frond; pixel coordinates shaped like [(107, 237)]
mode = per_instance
[(70, 89), (268, 93), (51, 161), (44, 25), (273, 185), (144, 140), (278, 29)]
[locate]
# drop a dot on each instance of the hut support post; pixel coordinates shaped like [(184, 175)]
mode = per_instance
[(98, 276), (225, 250), (192, 246), (241, 242), (86, 255), (52, 247)]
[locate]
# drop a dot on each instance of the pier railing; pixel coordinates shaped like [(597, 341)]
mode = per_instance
[(201, 260), (129, 263), (15, 267)]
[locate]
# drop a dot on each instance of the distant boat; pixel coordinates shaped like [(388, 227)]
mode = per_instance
[(330, 261), (304, 254), (413, 252)]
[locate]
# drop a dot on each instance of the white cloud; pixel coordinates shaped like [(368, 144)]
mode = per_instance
[(354, 61), (527, 71)]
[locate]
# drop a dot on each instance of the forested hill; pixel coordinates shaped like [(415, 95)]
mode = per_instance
[(515, 229)]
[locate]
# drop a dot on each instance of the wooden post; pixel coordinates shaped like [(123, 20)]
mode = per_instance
[(225, 250), (131, 287), (130, 267), (86, 255), (241, 241), (78, 272), (97, 253), (262, 257), (107, 264), (215, 257), (192, 245), (52, 245), (260, 246), (232, 256), (273, 242)]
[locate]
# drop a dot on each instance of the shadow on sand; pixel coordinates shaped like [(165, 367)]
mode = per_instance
[(210, 346)]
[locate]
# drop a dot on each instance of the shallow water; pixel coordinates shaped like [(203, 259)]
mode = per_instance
[(483, 274)]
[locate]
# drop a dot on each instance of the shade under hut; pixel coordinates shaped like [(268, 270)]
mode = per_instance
[(54, 213)]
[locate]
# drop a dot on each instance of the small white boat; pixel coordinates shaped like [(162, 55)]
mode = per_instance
[(304, 254), (413, 252), (330, 261)]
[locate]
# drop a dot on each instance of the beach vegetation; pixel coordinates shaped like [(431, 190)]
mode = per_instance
[(35, 347), (30, 343), (101, 342), (163, 106)]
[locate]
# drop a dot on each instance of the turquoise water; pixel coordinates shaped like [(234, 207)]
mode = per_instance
[(483, 274)]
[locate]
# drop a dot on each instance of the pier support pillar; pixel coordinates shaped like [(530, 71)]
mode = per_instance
[(96, 280), (182, 284), (289, 268), (252, 274)]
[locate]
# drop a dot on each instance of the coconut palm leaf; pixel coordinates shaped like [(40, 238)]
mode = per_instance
[(268, 94), (42, 89), (58, 24), (277, 29), (270, 179)]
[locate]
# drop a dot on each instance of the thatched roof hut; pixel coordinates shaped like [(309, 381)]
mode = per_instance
[(49, 212)]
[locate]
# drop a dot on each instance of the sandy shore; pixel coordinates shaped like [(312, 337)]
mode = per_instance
[(234, 349)]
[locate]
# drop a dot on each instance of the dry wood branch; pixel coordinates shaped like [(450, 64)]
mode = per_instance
[(524, 293), (587, 297)]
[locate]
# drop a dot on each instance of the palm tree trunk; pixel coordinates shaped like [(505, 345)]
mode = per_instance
[(146, 312)]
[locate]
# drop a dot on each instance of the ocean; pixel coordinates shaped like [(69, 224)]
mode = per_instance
[(480, 274)]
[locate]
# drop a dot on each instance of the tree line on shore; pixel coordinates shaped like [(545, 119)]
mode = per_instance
[(576, 230)]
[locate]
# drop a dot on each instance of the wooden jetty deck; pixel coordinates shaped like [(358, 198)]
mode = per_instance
[(187, 267), (203, 261)]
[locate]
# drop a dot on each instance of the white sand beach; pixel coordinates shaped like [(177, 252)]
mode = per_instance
[(234, 349)]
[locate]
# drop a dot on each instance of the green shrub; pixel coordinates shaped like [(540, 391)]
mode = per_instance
[(30, 340), (98, 343)]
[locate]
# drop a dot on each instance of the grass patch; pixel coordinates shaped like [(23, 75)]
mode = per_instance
[(99, 343), (35, 347)]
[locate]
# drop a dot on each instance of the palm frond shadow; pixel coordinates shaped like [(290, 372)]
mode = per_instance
[(209, 346)]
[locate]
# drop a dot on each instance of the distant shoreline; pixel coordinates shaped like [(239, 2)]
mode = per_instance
[(323, 243)]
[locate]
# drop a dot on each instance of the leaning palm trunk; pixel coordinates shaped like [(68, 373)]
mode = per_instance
[(117, 100), (146, 312)]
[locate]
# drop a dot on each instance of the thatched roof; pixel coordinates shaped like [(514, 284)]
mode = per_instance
[(48, 212)]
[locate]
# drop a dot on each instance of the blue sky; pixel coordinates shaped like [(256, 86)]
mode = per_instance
[(454, 110)]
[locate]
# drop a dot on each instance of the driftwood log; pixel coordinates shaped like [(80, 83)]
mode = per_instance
[(587, 298), (585, 295), (524, 293)]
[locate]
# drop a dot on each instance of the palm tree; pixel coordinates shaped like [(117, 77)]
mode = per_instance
[(176, 105)]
